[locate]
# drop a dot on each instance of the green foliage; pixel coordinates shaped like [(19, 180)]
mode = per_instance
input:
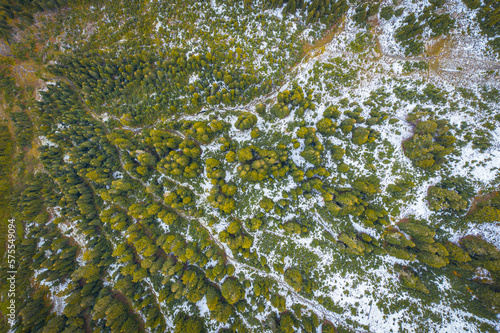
[(287, 323), (294, 278), (24, 12), (313, 147), (407, 35), (488, 19), (362, 42), (237, 239), (355, 244), (214, 168), (130, 131), (260, 109), (185, 323), (360, 135), (202, 131), (429, 145), (481, 139), (410, 66), (180, 198), (410, 280), (245, 121), (326, 127), (266, 204), (440, 198), (337, 152), (487, 210), (259, 164), (232, 291), (221, 197), (418, 231), (347, 124), (332, 112), (387, 12), (364, 11)]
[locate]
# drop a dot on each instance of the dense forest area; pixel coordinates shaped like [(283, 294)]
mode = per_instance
[(250, 166)]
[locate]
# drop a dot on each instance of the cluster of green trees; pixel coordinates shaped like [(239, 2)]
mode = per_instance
[(57, 255), (238, 240), (180, 198), (145, 259), (114, 311), (178, 262), (86, 283), (201, 131), (6, 158), (358, 244), (361, 135), (326, 126), (472, 254), (377, 100), (430, 144), (313, 147), (178, 157), (483, 256), (338, 72), (103, 77), (399, 189), (141, 243), (258, 164), (487, 208), (24, 128), (421, 245), (410, 280), (364, 11), (481, 140), (355, 201), (222, 196), (245, 121), (440, 24), (387, 12), (325, 11), (23, 11), (289, 99), (410, 66), (362, 43), (255, 223), (414, 240), (430, 93), (441, 198), (409, 34), (488, 19), (299, 281)]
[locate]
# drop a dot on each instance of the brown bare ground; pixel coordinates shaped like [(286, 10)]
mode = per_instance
[(327, 37), (24, 74), (403, 220)]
